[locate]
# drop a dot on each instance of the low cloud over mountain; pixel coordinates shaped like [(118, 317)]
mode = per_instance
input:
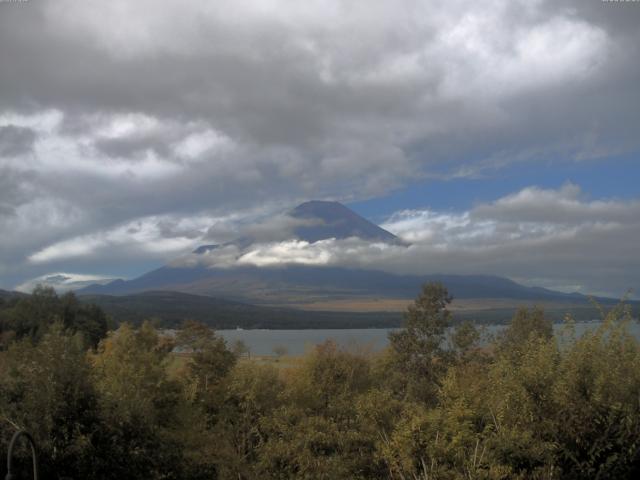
[(507, 238)]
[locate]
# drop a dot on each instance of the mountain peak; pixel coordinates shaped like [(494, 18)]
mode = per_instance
[(319, 204), (320, 220), (334, 220)]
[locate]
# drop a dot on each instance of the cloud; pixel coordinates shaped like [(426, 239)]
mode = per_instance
[(14, 190), (555, 238), (564, 206), (275, 227), (63, 282), (145, 237), (15, 141), (288, 252), (198, 110)]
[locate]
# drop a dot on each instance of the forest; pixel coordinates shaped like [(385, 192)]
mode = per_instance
[(440, 402)]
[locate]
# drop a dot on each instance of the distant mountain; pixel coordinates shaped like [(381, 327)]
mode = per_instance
[(6, 294), (297, 285), (300, 284)]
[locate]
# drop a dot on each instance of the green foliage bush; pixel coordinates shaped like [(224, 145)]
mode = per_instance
[(434, 405)]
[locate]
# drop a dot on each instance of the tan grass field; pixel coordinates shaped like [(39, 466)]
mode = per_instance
[(400, 304)]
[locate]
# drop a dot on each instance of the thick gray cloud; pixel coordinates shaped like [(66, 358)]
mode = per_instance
[(124, 124), (15, 141), (14, 190)]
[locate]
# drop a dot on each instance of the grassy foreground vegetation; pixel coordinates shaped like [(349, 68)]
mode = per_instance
[(119, 405)]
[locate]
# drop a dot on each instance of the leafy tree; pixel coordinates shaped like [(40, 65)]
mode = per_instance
[(210, 360), (464, 339), (47, 390), (524, 324), (32, 316), (328, 377), (597, 397), (253, 393), (417, 352), (317, 433), (89, 320), (140, 406), (521, 407)]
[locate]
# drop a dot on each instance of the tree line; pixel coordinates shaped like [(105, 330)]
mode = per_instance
[(435, 404)]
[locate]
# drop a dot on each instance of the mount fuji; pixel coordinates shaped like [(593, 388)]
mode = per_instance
[(317, 285)]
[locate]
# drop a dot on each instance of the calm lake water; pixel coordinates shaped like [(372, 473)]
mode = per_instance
[(262, 342)]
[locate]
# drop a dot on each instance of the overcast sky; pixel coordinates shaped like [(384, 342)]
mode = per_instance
[(498, 136)]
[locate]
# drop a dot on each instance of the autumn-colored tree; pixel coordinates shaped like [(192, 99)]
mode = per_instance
[(140, 406), (524, 324), (210, 360), (253, 392), (596, 421), (317, 434)]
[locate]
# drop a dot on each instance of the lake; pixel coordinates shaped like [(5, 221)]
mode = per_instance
[(296, 342)]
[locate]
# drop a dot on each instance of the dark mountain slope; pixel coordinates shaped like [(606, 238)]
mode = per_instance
[(298, 284), (334, 220), (6, 294)]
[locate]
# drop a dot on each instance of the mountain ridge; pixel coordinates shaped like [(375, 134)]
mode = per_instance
[(300, 284), (275, 285)]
